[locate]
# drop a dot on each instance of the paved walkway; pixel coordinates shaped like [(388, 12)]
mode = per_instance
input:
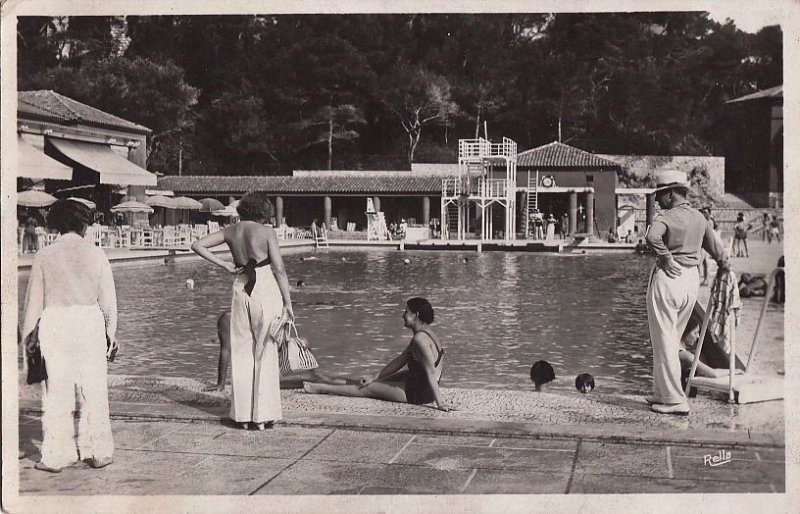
[(180, 458)]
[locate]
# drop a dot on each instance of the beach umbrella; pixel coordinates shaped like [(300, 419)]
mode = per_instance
[(160, 201), (32, 198), (132, 206), (228, 211), (88, 203), (186, 203), (211, 205)]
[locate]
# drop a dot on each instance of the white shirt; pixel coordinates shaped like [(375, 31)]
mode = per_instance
[(71, 271)]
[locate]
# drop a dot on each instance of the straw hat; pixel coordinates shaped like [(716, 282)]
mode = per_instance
[(669, 179)]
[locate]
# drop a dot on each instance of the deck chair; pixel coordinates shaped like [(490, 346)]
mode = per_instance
[(745, 388)]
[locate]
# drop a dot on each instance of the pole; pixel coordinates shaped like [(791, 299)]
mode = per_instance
[(697, 351), (770, 289)]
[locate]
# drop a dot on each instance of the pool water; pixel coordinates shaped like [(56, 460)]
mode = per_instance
[(496, 314)]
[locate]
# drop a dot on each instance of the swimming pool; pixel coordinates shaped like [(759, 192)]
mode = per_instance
[(496, 314)]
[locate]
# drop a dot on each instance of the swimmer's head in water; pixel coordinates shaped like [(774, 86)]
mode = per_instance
[(542, 372)]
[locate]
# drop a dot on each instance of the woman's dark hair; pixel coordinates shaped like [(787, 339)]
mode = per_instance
[(422, 308), (255, 206), (69, 216)]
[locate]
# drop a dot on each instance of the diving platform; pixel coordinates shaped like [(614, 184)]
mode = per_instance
[(486, 181)]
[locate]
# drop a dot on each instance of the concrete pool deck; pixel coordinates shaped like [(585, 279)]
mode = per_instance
[(172, 438)]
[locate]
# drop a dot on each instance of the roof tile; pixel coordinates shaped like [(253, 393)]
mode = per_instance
[(189, 184), (559, 155), (59, 108)]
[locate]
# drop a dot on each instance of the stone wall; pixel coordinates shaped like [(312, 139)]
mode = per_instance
[(643, 165)]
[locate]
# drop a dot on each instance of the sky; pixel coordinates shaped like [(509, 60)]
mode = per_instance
[(747, 20)]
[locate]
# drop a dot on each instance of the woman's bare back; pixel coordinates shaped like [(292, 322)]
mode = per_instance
[(248, 240)]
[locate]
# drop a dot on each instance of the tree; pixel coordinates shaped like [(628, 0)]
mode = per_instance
[(418, 97), (138, 90), (332, 124), (336, 82)]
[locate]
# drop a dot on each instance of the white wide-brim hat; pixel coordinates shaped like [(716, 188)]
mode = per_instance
[(669, 179)]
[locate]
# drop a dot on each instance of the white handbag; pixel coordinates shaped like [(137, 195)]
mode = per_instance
[(293, 352)]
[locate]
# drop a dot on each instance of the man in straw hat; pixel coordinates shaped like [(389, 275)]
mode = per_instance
[(676, 236)]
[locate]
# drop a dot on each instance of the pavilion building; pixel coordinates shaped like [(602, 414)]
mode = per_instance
[(67, 145)]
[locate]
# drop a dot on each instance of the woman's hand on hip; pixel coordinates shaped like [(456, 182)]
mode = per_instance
[(671, 268), (231, 268)]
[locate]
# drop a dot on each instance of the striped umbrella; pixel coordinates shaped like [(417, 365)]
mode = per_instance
[(160, 201), (211, 205)]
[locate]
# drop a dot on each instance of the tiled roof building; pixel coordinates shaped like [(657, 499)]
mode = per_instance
[(559, 155), (46, 105)]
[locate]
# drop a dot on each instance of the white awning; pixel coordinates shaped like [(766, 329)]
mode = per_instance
[(112, 168), (33, 163)]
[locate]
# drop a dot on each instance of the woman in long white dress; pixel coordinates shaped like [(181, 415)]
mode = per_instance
[(260, 296), (71, 307)]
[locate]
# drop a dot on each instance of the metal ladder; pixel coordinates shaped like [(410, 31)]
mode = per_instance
[(532, 200), (321, 240), (452, 221)]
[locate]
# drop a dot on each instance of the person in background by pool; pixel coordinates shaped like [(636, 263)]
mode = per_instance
[(765, 235), (779, 295), (641, 247), (551, 227), (71, 302), (774, 229), (740, 231), (30, 240), (260, 296), (629, 237), (612, 235), (676, 236), (564, 226), (423, 358)]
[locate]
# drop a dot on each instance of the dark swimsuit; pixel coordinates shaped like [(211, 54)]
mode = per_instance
[(418, 389), (249, 270)]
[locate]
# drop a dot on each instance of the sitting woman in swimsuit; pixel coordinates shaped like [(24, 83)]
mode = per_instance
[(423, 358)]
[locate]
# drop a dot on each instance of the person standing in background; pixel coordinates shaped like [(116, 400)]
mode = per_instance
[(564, 228)]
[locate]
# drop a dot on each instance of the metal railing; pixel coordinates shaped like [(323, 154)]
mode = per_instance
[(474, 148), (482, 148), (493, 187)]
